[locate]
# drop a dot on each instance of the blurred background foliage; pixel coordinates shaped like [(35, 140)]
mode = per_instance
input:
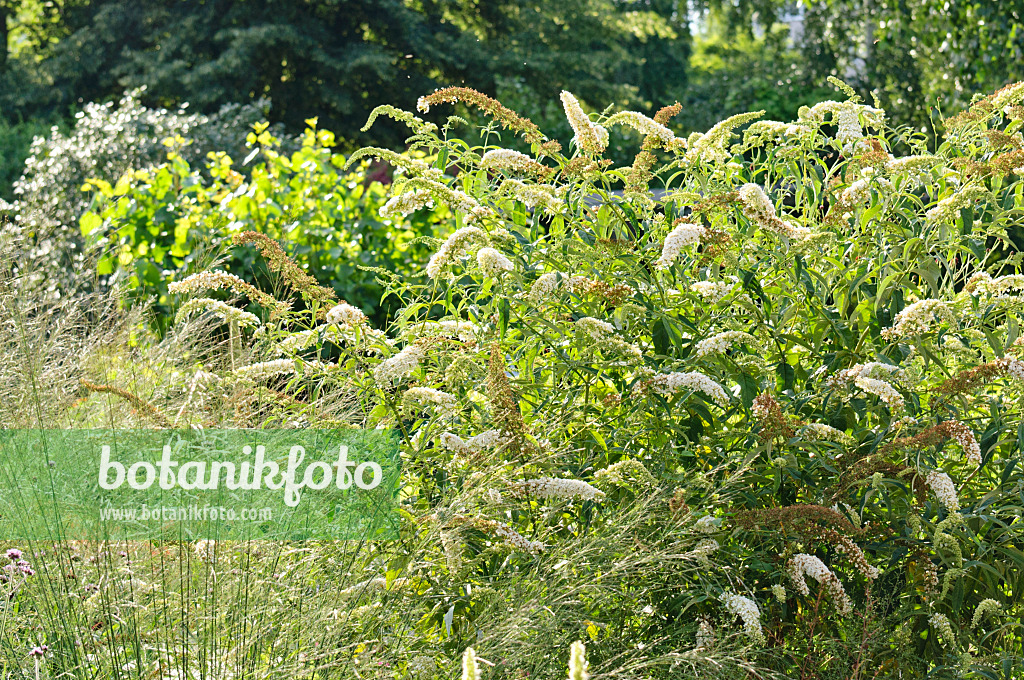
[(337, 59)]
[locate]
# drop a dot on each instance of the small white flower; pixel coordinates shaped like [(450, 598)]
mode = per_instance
[(400, 365), (346, 315), (552, 487), (720, 343)]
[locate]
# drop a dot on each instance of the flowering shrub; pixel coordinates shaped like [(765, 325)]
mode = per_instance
[(762, 422), (105, 142)]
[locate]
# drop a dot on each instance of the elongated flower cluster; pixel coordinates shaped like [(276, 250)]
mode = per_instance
[(872, 369), (721, 342), (464, 448), (465, 331), (453, 247), (919, 318), (578, 666), (553, 487), (222, 310), (492, 262), (942, 626), (603, 335), (987, 607), (948, 209), (217, 280), (643, 125), (705, 634), (884, 391), (712, 291), (856, 557), (983, 282), (546, 196), (510, 535), (508, 159), (944, 490), (746, 609), (545, 286), (455, 199), (802, 565), (964, 436), (589, 137), (407, 203), (670, 383), (684, 234), (266, 369), (470, 670), (346, 315), (399, 366), (827, 433), (759, 209), (445, 404), (713, 145)]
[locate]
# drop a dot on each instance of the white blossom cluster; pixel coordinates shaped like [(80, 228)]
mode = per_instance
[(942, 626), (964, 436), (589, 137), (407, 203), (984, 282), (826, 433), (546, 196), (465, 331), (398, 366), (446, 404), (222, 310), (759, 209), (918, 318), (485, 440), (579, 669), (721, 342), (209, 280), (603, 335), (509, 159), (452, 248), (705, 525), (670, 383), (802, 565), (846, 116), (553, 487), (516, 539), (857, 558), (871, 369), (944, 490), (987, 607), (298, 341), (345, 314), (705, 633), (779, 592), (266, 369), (915, 167), (712, 147), (492, 262), (644, 125), (453, 198), (884, 391), (712, 291), (544, 286), (684, 234), (747, 610), (703, 549), (948, 209), (1013, 366)]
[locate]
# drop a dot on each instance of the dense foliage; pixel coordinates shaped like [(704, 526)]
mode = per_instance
[(105, 143), (748, 407)]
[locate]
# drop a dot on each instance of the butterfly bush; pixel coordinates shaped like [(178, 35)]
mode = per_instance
[(808, 340)]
